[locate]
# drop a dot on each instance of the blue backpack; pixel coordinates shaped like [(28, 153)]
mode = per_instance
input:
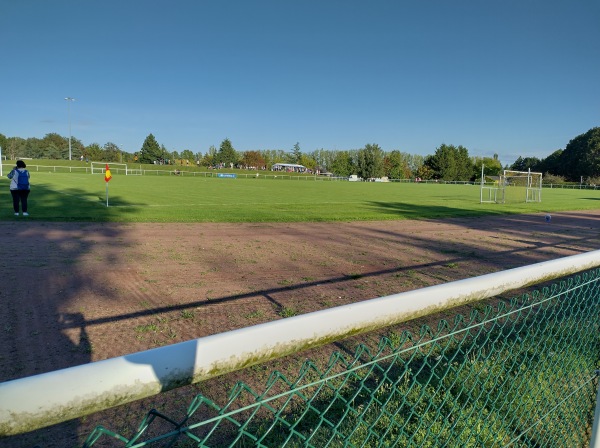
[(22, 179)]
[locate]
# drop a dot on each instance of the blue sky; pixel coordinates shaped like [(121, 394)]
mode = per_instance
[(512, 77)]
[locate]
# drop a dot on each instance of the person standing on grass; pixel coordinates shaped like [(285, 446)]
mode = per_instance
[(19, 187)]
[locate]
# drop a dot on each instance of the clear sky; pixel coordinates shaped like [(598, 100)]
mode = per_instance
[(512, 77)]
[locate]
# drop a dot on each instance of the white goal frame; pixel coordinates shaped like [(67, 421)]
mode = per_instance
[(529, 180), (486, 193), (100, 167)]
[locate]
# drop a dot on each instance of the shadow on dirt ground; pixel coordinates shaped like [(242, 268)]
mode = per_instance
[(41, 329)]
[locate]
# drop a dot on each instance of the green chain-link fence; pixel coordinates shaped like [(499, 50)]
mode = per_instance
[(522, 373)]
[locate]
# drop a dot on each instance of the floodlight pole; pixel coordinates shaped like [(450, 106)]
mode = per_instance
[(69, 101)]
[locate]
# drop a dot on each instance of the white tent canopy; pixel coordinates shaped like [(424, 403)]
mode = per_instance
[(287, 166)]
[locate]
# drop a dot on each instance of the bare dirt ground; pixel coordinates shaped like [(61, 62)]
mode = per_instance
[(74, 293)]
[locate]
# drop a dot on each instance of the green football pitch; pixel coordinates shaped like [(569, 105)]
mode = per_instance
[(148, 198)]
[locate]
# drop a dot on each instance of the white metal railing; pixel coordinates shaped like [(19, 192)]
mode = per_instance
[(42, 400)]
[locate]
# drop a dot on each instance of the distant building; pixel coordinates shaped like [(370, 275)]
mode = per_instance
[(288, 167)]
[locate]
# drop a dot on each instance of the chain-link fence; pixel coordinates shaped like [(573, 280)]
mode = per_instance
[(521, 373)]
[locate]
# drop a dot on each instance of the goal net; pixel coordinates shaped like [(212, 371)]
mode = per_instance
[(520, 186), (115, 168)]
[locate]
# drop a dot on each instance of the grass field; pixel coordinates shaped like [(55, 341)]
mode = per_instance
[(82, 197)]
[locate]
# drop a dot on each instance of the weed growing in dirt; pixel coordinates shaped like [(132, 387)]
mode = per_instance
[(146, 328), (254, 314), (287, 311), (187, 314)]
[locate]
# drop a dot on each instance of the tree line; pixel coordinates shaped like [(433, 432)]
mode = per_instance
[(579, 160), (448, 162)]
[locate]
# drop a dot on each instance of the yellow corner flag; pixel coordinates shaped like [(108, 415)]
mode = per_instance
[(107, 175)]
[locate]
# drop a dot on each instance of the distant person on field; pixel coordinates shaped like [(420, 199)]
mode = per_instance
[(19, 187)]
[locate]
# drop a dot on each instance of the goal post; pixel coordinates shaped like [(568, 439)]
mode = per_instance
[(487, 193), (521, 186), (100, 168), (512, 187)]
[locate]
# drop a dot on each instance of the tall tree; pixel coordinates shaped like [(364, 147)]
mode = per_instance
[(93, 152), (253, 159), (296, 153), (3, 141), (188, 155), (370, 162), (581, 156), (150, 151), (464, 164), (491, 166), (551, 164), (227, 154), (451, 163), (525, 164), (396, 165), (323, 158), (273, 156), (112, 153), (53, 151), (33, 147), (210, 158), (424, 172), (167, 156), (342, 164), (55, 140), (15, 147), (307, 161), (415, 162)]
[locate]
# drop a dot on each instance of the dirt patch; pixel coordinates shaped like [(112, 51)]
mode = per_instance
[(74, 293)]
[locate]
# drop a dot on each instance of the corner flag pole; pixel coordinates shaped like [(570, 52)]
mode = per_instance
[(107, 177)]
